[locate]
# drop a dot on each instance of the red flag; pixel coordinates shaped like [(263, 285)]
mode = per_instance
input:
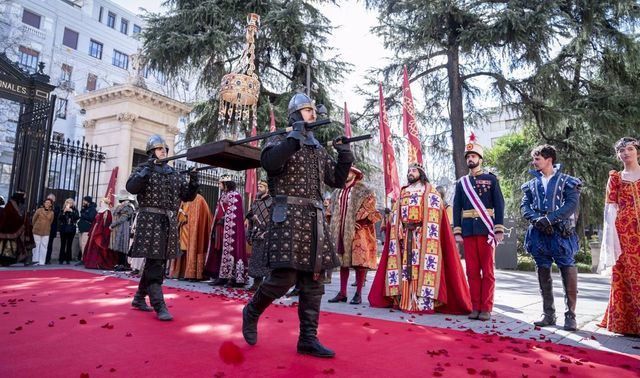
[(391, 181), (111, 188), (347, 122), (409, 126), (251, 181), (272, 119)]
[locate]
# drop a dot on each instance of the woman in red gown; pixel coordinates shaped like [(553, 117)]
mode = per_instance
[(97, 254), (621, 241)]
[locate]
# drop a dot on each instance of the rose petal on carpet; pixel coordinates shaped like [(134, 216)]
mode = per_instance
[(68, 323)]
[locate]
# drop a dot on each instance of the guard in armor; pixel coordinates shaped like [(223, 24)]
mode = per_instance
[(549, 203), (298, 242), (258, 217), (159, 189), (478, 214)]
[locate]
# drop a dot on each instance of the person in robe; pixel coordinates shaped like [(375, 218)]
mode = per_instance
[(258, 218), (420, 270), (353, 220), (14, 240), (97, 253), (620, 249), (227, 259), (123, 216), (195, 226)]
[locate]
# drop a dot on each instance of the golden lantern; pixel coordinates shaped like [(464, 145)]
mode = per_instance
[(239, 90)]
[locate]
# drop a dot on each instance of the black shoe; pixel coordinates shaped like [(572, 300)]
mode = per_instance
[(339, 298), (570, 323), (356, 300), (219, 282), (315, 349)]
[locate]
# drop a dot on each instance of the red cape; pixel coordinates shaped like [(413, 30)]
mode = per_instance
[(454, 291)]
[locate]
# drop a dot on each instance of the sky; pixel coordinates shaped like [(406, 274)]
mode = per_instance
[(352, 40)]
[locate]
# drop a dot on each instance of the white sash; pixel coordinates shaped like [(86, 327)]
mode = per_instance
[(479, 207)]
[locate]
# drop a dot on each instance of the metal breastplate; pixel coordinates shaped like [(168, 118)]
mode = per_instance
[(303, 175), (161, 191)]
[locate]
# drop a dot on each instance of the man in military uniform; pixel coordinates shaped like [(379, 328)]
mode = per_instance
[(549, 203), (258, 218), (160, 190), (478, 214), (298, 243)]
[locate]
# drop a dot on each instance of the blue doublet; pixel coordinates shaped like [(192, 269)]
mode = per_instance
[(558, 203)]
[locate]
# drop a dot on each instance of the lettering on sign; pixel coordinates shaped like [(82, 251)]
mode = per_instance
[(20, 90)]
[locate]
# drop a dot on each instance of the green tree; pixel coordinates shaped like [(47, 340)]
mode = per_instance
[(208, 37), (447, 45)]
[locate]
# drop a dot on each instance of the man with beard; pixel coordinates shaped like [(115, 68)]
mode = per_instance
[(420, 269), (549, 203), (227, 260), (354, 215), (298, 242), (159, 189), (478, 214), (258, 218)]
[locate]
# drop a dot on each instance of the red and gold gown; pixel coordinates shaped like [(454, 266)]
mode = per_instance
[(623, 312)]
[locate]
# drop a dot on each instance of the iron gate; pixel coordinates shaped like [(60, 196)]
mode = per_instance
[(74, 169)]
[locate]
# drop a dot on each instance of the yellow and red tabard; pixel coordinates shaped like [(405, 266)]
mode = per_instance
[(413, 276)]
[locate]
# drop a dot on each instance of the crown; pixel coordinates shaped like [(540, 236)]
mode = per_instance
[(417, 166), (225, 177)]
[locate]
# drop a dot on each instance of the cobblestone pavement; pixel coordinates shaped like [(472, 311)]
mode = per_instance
[(517, 304)]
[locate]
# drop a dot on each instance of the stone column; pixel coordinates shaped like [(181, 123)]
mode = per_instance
[(125, 149)]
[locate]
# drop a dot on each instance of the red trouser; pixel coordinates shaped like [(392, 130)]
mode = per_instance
[(479, 258)]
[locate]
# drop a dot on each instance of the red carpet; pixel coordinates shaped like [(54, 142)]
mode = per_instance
[(65, 323)]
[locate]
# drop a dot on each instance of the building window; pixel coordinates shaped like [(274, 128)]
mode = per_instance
[(5, 174), (95, 49), (61, 108), (65, 75), (111, 20), (28, 58), (120, 59), (31, 18), (136, 29), (100, 14), (124, 26), (92, 80), (70, 38)]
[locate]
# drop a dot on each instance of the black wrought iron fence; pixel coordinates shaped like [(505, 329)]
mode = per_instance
[(74, 168), (209, 181)]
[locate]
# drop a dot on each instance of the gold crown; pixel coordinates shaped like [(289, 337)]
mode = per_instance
[(417, 166)]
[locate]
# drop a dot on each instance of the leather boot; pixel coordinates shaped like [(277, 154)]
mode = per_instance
[(293, 293), (546, 289), (309, 312), (157, 301), (256, 284), (570, 284), (139, 302), (338, 298), (357, 299), (250, 315)]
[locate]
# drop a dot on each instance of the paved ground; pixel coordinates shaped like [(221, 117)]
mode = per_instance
[(517, 304)]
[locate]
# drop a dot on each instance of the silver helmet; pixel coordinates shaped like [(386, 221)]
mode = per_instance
[(154, 142), (299, 101)]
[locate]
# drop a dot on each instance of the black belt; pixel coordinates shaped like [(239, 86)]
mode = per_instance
[(157, 210)]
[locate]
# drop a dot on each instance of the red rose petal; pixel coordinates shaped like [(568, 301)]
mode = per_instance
[(82, 321), (230, 353), (280, 321), (471, 371), (51, 323), (84, 375), (112, 370), (328, 371), (564, 369)]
